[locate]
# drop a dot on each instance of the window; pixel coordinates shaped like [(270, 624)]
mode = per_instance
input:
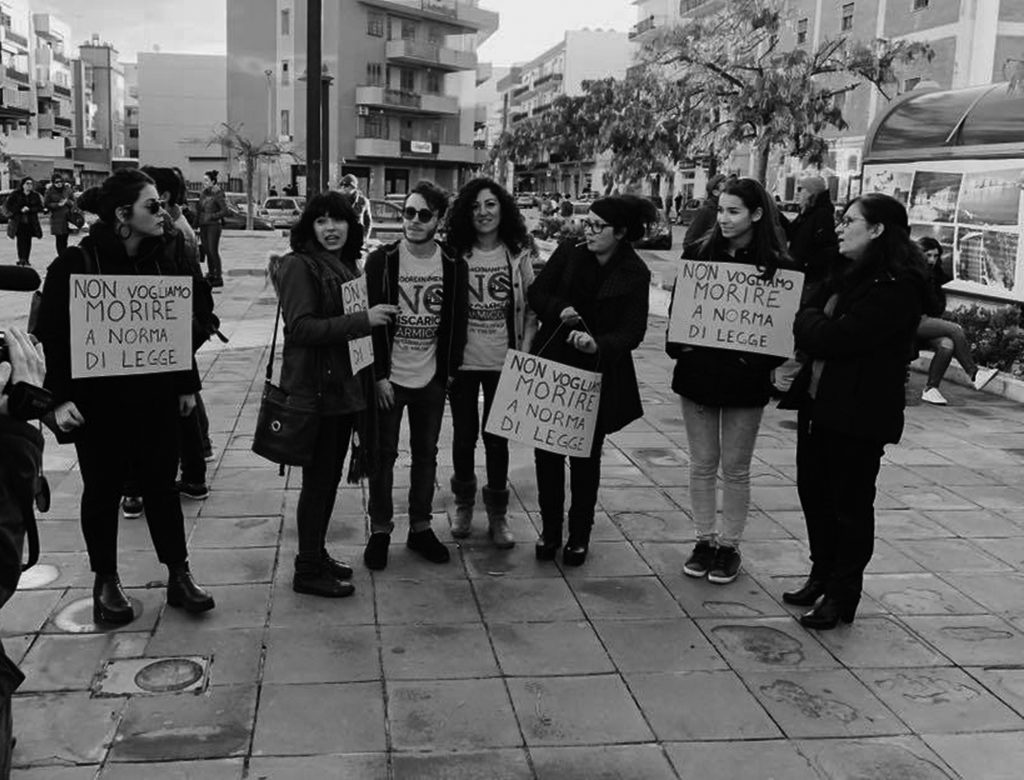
[(286, 122), (286, 73), (920, 5), (408, 30), (406, 80), (286, 21), (434, 36), (375, 24), (374, 74), (433, 82), (847, 17), (373, 126), (133, 132), (801, 31)]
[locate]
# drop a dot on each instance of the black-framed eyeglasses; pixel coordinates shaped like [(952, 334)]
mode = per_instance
[(152, 206), (425, 215), (593, 226)]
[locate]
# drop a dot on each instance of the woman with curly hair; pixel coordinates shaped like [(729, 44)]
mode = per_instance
[(486, 230)]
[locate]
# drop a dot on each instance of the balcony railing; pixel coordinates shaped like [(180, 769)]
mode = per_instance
[(643, 26), (540, 109), (12, 36), (405, 99), (60, 89), (520, 90), (58, 57), (520, 115), (62, 121), (442, 57), (16, 75), (556, 77)]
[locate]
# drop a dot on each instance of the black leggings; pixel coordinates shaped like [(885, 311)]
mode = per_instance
[(320, 482)]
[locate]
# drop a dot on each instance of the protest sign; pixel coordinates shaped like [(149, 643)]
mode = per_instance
[(546, 405), (726, 305), (354, 298), (132, 324)]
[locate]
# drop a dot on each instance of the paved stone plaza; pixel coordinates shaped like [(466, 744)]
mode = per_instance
[(497, 667)]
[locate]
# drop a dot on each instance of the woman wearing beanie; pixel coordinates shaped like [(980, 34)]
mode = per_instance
[(592, 300), (725, 391)]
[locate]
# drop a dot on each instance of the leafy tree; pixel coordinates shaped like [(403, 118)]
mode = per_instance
[(249, 154), (740, 86)]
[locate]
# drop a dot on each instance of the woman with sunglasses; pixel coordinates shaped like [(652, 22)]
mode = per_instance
[(316, 369), (591, 298), (487, 231), (114, 419), (858, 332), (724, 391)]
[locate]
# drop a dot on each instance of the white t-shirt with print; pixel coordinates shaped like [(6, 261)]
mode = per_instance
[(420, 285), (490, 290)]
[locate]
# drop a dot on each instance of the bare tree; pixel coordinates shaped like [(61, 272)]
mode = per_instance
[(249, 154)]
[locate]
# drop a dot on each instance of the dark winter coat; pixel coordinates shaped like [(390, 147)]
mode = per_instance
[(24, 222), (315, 361), (723, 377), (613, 308), (162, 255), (813, 243), (212, 207), (382, 267), (865, 346), (59, 212), (704, 220)]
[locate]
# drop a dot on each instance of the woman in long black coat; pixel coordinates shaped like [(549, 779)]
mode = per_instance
[(592, 303), (23, 207), (858, 332)]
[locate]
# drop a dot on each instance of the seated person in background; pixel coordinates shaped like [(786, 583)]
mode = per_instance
[(944, 337)]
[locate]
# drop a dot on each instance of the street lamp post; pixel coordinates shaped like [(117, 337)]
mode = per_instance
[(325, 126), (314, 23), (270, 121)]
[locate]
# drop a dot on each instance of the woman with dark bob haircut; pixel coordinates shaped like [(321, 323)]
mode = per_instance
[(316, 370), (119, 420), (858, 333), (486, 230)]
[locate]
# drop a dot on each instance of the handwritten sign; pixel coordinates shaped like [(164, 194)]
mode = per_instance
[(125, 325), (726, 305), (354, 298), (546, 405)]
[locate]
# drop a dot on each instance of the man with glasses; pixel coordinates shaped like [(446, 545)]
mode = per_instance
[(414, 358)]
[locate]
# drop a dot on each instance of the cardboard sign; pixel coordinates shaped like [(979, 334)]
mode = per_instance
[(354, 298), (547, 405), (726, 305), (125, 325)]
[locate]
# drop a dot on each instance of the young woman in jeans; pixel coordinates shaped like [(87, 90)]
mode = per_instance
[(486, 230), (724, 392)]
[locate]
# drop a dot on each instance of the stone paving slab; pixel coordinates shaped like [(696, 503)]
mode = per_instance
[(499, 666)]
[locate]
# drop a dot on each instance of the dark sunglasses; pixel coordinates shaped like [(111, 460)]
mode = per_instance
[(153, 206), (425, 215)]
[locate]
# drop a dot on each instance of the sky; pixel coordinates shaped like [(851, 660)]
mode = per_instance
[(527, 27)]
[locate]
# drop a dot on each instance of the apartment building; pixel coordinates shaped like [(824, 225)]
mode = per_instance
[(131, 110), (974, 41), (399, 78), (531, 88)]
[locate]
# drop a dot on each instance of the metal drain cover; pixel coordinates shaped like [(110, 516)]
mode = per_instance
[(135, 676)]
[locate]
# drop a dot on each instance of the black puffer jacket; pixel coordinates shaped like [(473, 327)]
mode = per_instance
[(723, 377), (157, 255), (614, 309), (865, 346)]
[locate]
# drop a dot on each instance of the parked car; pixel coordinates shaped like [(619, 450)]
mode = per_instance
[(238, 200), (283, 212), (526, 200), (235, 219), (387, 220)]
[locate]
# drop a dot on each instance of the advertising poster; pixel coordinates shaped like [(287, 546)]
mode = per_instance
[(726, 305), (945, 235), (546, 405), (889, 182), (933, 197), (991, 197), (125, 325), (987, 257)]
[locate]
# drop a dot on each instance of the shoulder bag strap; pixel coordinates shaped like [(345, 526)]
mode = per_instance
[(273, 344)]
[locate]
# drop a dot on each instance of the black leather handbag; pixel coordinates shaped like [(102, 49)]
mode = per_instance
[(285, 429)]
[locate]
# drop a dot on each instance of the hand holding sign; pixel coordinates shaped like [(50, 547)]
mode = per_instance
[(354, 299), (381, 314)]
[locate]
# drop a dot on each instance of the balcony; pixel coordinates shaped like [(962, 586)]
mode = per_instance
[(405, 100), (551, 78), (44, 121), (60, 89), (44, 89), (417, 53), (58, 57), (519, 91), (644, 26), (461, 16), (519, 115), (62, 123), (426, 150), (13, 37), (18, 76), (541, 109)]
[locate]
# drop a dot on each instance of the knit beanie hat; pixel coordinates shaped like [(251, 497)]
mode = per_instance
[(626, 211), (813, 185)]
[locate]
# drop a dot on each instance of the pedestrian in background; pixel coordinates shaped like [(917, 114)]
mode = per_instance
[(592, 301), (316, 370), (487, 232), (128, 417), (349, 186), (415, 357), (945, 338), (705, 217), (212, 209), (23, 208), (857, 331), (59, 202), (724, 391)]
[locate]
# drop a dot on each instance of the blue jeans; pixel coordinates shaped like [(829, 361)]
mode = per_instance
[(426, 408), (723, 435)]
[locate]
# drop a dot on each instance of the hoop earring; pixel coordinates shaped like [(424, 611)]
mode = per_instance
[(124, 231)]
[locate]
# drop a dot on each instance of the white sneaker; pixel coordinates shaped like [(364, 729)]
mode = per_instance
[(984, 376), (931, 395)]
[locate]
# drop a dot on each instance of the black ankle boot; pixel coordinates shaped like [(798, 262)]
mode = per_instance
[(182, 590), (807, 594), (313, 578), (575, 552), (827, 614), (547, 549), (110, 603), (335, 567)]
